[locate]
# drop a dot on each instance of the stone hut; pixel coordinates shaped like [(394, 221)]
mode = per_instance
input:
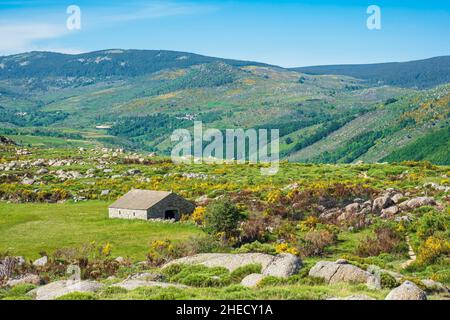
[(148, 204)]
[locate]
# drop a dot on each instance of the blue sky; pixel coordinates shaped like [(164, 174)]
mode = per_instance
[(283, 32)]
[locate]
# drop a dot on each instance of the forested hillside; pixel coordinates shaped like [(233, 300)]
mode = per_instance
[(135, 99), (414, 74)]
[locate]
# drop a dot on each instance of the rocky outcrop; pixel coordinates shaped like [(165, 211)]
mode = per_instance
[(389, 212), (25, 279), (435, 287), (283, 265), (252, 280), (341, 271), (60, 288), (382, 203), (418, 202), (407, 291)]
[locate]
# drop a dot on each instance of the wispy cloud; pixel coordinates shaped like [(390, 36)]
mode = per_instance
[(18, 37), (154, 10), (27, 28)]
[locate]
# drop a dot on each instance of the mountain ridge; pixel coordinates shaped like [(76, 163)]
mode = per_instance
[(322, 118), (423, 74)]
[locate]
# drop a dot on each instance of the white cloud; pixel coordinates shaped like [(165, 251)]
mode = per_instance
[(154, 10), (20, 37), (24, 34)]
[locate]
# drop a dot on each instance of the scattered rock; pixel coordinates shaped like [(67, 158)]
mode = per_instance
[(120, 259), (389, 212), (382, 203), (25, 279), (202, 201), (41, 262), (60, 288), (20, 260), (434, 286), (147, 276), (331, 214), (28, 181), (352, 208), (417, 203), (397, 197), (252, 280), (42, 171), (133, 171), (407, 291)]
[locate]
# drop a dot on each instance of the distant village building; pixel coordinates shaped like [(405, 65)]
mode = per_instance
[(148, 204)]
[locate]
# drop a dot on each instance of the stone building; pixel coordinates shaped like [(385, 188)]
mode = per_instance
[(148, 204)]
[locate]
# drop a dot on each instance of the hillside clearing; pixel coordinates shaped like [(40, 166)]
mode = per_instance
[(28, 229)]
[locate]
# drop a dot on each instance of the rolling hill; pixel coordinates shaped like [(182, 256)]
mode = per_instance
[(136, 98), (419, 74)]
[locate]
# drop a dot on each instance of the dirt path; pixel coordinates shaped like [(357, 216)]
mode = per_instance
[(411, 253)]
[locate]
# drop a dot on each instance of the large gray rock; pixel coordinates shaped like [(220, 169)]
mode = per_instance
[(352, 208), (60, 288), (389, 212), (434, 286), (382, 203), (417, 203), (252, 280), (407, 291), (226, 260), (333, 272), (283, 265), (132, 284)]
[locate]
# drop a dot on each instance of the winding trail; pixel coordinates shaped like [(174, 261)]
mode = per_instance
[(411, 253)]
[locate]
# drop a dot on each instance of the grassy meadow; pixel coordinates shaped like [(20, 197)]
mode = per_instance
[(28, 229)]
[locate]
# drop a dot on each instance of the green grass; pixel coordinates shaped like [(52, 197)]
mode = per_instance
[(27, 229), (237, 292)]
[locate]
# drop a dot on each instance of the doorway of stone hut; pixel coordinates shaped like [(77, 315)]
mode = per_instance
[(170, 214)]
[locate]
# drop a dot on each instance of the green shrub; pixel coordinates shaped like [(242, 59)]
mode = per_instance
[(222, 218), (256, 246), (388, 281), (240, 273), (198, 275), (430, 223), (78, 296), (387, 239), (292, 280)]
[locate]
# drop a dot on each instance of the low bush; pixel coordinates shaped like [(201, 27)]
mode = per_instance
[(388, 281), (256, 247), (387, 240), (78, 296), (254, 229), (198, 275), (433, 249), (430, 223), (240, 273), (314, 242), (16, 292)]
